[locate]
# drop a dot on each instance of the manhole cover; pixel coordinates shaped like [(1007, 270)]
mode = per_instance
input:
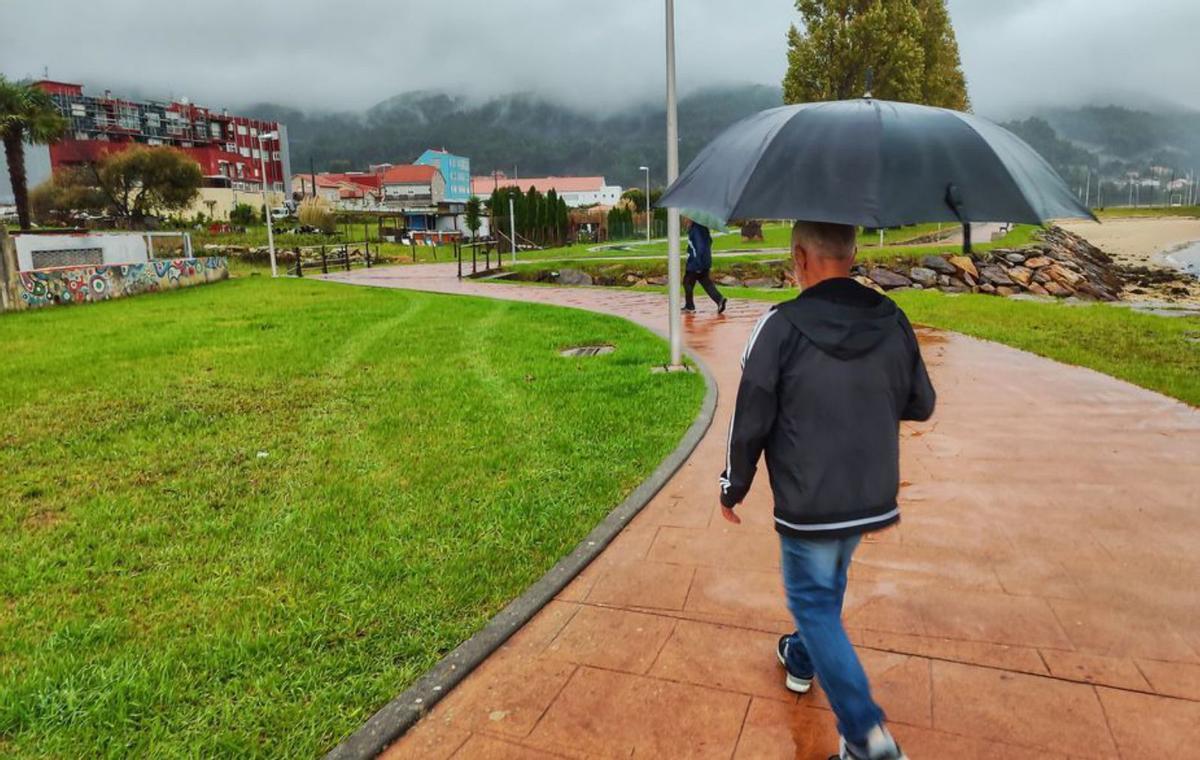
[(587, 350)]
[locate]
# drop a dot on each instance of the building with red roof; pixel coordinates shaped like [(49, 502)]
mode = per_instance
[(576, 191)]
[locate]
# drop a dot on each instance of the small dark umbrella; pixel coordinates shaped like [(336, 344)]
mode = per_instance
[(874, 163)]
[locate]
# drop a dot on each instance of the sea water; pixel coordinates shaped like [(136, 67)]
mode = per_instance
[(1187, 258)]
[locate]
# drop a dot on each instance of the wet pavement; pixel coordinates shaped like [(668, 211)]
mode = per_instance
[(1038, 599)]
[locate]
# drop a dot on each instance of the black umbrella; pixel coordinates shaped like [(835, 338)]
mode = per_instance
[(874, 163)]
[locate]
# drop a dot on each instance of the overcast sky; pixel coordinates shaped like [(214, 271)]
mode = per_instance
[(329, 54)]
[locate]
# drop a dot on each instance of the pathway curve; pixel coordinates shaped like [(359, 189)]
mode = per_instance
[(1039, 598)]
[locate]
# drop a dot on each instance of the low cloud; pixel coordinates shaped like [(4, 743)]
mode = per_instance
[(318, 55)]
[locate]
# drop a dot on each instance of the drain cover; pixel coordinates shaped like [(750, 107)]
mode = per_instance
[(587, 350)]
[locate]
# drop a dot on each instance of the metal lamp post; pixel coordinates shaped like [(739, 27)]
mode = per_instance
[(262, 157), (673, 320), (649, 211)]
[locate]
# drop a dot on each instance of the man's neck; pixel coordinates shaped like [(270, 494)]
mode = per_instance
[(812, 279)]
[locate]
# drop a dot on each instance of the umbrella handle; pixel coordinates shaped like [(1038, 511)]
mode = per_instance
[(954, 201)]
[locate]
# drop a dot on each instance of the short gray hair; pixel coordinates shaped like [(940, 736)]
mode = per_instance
[(826, 239)]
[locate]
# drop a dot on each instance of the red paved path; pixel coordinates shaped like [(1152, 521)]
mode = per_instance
[(1039, 598)]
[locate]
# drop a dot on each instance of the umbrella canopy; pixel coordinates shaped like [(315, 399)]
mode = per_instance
[(874, 163), (711, 221)]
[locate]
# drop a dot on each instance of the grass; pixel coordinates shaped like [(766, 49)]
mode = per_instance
[(756, 264), (1155, 352), (1125, 212), (775, 236), (240, 518)]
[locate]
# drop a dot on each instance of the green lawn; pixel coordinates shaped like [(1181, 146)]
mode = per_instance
[(753, 264), (1159, 353), (240, 518)]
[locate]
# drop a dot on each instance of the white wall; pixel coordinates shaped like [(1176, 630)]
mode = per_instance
[(114, 248)]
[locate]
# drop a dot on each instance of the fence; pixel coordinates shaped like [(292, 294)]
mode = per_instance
[(488, 248), (338, 257)]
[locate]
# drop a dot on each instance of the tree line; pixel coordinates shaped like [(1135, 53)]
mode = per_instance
[(540, 218)]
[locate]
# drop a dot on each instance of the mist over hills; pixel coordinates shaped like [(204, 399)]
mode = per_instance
[(527, 131), (536, 136)]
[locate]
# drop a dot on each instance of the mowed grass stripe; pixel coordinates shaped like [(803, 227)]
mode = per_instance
[(168, 591)]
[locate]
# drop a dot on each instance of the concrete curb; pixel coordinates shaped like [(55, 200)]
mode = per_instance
[(396, 717)]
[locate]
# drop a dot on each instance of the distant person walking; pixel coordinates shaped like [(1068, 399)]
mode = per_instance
[(699, 266), (826, 379)]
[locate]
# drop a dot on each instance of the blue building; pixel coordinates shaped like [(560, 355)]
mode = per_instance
[(455, 169)]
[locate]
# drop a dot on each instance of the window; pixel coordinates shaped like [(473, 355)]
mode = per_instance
[(77, 109), (230, 148), (214, 129), (254, 153), (152, 119), (275, 155), (241, 129), (253, 132), (244, 151)]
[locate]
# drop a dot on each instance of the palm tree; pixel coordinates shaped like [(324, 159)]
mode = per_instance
[(27, 114)]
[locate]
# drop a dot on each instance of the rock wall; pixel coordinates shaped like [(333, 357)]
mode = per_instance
[(1059, 264), (85, 284)]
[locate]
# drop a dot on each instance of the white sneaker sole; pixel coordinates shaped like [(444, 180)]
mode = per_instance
[(798, 685)]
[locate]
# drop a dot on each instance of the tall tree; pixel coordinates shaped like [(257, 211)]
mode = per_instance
[(474, 215), (944, 83), (27, 114), (141, 181), (909, 46)]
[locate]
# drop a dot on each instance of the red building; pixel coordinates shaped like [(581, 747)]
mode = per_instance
[(226, 147)]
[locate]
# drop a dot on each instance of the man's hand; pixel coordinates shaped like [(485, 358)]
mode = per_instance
[(730, 515)]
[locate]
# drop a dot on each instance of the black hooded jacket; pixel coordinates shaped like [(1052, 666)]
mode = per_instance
[(826, 379)]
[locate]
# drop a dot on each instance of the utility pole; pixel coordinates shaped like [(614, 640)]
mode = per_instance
[(512, 227), (673, 319), (262, 157), (649, 214), (1087, 193)]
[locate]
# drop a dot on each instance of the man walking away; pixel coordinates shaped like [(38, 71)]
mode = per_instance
[(826, 379), (699, 265)]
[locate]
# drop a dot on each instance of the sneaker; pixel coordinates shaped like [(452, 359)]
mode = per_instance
[(721, 307), (797, 683), (688, 309), (880, 746)]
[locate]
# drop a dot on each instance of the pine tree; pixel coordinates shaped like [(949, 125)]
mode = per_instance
[(944, 83), (909, 46)]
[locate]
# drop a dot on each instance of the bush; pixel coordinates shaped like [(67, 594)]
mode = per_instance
[(242, 215), (315, 212)]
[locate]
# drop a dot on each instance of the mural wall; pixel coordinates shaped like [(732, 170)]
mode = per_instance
[(84, 284)]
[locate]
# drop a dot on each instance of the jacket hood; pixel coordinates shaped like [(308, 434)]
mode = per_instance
[(842, 318)]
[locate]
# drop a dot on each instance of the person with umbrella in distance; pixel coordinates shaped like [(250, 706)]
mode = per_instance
[(828, 376), (699, 267)]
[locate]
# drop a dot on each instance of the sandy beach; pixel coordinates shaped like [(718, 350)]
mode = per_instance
[(1143, 244), (1138, 242)]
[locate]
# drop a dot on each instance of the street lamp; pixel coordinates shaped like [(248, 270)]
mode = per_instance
[(673, 321), (262, 157), (649, 215)]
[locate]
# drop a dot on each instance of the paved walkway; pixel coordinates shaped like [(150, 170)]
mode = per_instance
[(1039, 599)]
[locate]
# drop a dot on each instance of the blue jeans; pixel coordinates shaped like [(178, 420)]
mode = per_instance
[(814, 576)]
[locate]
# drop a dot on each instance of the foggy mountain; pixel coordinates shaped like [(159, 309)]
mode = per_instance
[(530, 132), (538, 136)]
